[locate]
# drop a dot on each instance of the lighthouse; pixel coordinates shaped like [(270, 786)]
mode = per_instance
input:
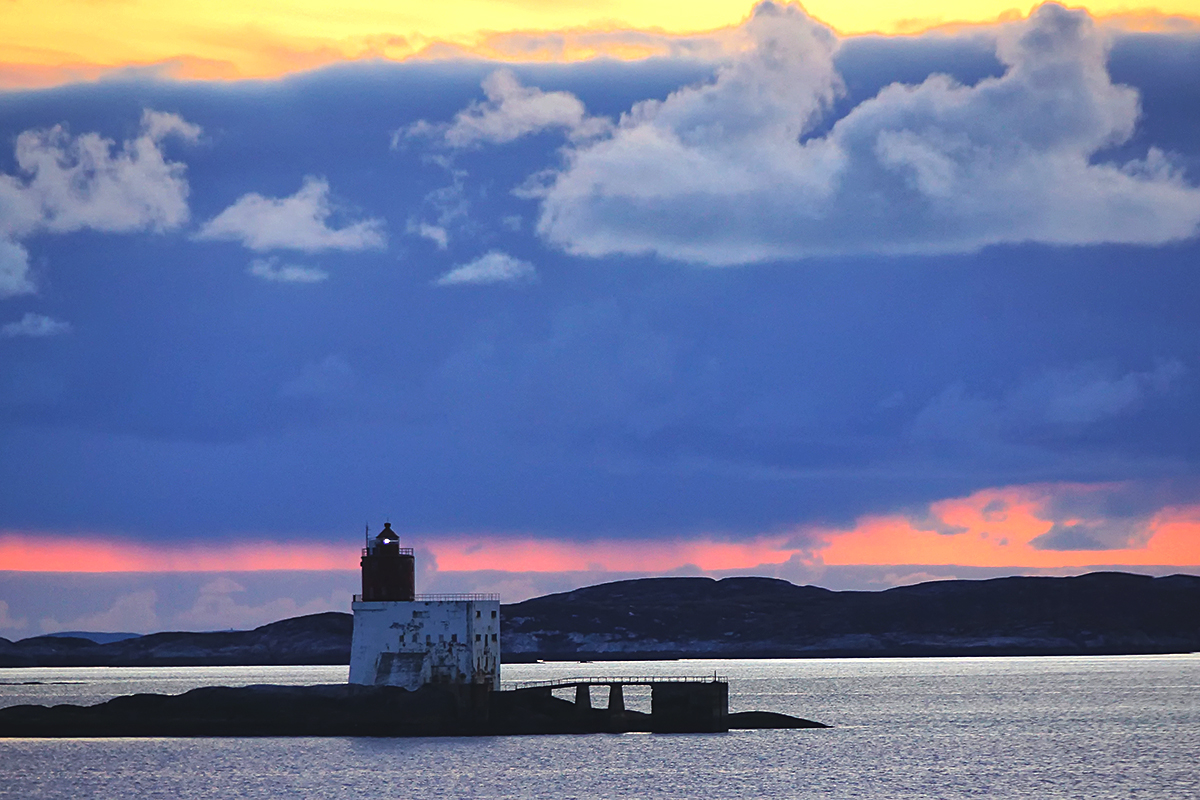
[(405, 639)]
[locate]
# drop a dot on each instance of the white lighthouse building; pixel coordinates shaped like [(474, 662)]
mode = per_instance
[(405, 639)]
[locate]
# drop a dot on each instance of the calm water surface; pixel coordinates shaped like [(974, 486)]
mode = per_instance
[(1084, 727)]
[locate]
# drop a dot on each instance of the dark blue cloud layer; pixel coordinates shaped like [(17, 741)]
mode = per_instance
[(615, 396)]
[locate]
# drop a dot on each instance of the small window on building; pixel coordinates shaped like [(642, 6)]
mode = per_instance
[(493, 637), (493, 615), (478, 637), (414, 638), (428, 638), (454, 637), (477, 615)]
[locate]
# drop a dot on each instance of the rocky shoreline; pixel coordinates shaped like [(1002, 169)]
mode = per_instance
[(345, 710)]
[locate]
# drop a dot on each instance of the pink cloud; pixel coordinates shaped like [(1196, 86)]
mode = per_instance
[(48, 552), (998, 527), (611, 555), (1011, 527)]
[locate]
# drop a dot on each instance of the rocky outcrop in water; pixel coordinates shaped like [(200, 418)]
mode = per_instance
[(342, 710)]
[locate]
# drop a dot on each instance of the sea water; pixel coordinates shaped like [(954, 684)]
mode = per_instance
[(1072, 727)]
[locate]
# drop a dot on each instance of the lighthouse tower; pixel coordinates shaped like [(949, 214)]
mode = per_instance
[(405, 639)]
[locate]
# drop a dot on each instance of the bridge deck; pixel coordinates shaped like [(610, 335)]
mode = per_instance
[(624, 680)]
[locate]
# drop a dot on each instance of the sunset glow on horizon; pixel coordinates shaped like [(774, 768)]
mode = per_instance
[(991, 528), (41, 45), (38, 552), (1003, 537)]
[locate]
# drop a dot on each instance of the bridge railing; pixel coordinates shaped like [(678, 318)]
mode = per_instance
[(625, 680), (447, 598)]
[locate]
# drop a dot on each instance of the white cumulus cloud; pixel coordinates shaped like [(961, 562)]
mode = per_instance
[(512, 111), (299, 222), (68, 183), (35, 325), (722, 173), (491, 267), (434, 233)]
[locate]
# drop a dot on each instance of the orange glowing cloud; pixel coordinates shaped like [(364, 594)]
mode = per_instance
[(26, 552), (43, 42), (996, 528), (990, 528), (538, 555)]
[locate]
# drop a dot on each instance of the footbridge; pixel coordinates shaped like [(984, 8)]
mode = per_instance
[(678, 703)]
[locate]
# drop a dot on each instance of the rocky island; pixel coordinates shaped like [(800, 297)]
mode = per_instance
[(351, 710)]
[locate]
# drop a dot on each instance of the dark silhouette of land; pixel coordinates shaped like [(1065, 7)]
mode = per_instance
[(1100, 613), (313, 639), (1103, 613), (349, 710)]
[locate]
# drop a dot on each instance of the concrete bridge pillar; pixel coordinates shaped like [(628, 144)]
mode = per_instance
[(583, 696), (616, 697)]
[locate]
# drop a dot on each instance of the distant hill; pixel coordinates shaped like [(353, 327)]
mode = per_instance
[(1100, 613), (94, 636), (314, 639)]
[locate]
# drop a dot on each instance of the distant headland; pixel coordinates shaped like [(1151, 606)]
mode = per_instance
[(1103, 613)]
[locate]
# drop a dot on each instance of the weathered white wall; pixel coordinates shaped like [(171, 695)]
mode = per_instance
[(426, 641)]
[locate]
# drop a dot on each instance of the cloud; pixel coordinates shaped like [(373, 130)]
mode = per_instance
[(158, 125), (450, 207), (216, 609), (731, 172), (130, 612), (434, 233), (1047, 525), (1093, 534), (931, 522), (9, 623), (1103, 517), (491, 267), (1067, 400), (35, 325), (269, 269), (14, 270), (512, 111), (299, 222), (329, 377), (70, 183)]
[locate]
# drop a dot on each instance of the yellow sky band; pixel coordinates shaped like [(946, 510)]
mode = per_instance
[(48, 41)]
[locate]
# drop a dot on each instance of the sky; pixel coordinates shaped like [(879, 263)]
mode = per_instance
[(856, 296)]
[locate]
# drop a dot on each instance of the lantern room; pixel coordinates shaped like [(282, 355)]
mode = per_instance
[(387, 568)]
